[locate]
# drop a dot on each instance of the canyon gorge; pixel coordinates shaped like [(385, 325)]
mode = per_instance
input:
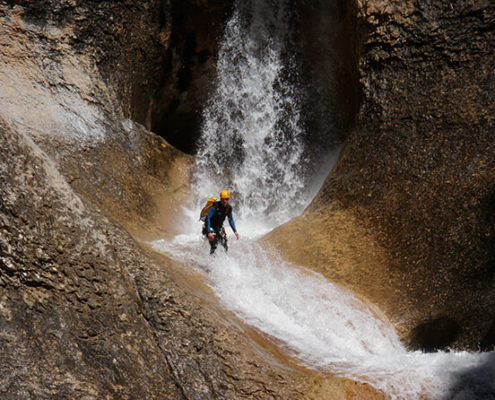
[(357, 139)]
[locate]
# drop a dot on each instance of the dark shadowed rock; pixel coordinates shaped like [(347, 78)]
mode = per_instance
[(434, 334)]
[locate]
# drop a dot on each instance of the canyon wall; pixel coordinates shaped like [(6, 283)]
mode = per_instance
[(406, 218)]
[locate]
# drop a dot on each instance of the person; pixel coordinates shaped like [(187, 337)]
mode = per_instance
[(213, 228)]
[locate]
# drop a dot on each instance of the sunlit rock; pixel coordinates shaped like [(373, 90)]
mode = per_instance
[(417, 171)]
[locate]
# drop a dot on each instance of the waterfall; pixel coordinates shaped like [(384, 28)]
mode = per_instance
[(251, 140), (252, 145)]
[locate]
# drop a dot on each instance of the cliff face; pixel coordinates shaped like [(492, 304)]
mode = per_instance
[(417, 173)]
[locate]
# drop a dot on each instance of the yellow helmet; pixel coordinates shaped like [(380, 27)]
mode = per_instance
[(224, 194)]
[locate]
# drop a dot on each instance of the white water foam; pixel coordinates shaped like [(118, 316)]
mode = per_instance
[(324, 327)]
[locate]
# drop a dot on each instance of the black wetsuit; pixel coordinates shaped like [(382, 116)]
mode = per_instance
[(214, 222)]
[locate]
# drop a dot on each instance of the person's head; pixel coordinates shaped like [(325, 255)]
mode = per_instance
[(224, 197)]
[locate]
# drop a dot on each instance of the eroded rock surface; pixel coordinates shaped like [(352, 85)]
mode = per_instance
[(418, 171), (71, 323)]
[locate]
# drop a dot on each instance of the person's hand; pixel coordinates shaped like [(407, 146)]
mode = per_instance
[(210, 237), (236, 235)]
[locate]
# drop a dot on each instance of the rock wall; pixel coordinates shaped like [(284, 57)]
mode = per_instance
[(86, 313), (417, 174), (71, 321), (126, 42), (324, 46), (158, 56)]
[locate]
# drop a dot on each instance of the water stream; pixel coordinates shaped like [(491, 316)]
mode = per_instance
[(252, 145)]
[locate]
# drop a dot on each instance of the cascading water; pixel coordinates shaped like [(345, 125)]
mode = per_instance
[(252, 145), (326, 328), (251, 141)]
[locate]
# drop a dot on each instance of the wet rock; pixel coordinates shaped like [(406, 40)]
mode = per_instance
[(433, 335), (418, 170), (324, 41), (59, 311)]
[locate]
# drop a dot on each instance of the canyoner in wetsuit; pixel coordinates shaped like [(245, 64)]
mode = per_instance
[(213, 227)]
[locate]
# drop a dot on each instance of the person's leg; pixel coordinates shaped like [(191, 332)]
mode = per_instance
[(224, 239), (214, 243)]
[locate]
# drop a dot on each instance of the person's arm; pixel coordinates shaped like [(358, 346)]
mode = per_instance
[(209, 216), (232, 223)]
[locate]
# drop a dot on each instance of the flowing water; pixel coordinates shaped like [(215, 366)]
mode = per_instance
[(251, 141), (252, 144)]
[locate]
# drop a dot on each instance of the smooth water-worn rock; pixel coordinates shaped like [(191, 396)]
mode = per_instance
[(71, 320), (417, 173)]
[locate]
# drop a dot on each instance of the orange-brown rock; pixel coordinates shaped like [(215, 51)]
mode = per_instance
[(406, 218)]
